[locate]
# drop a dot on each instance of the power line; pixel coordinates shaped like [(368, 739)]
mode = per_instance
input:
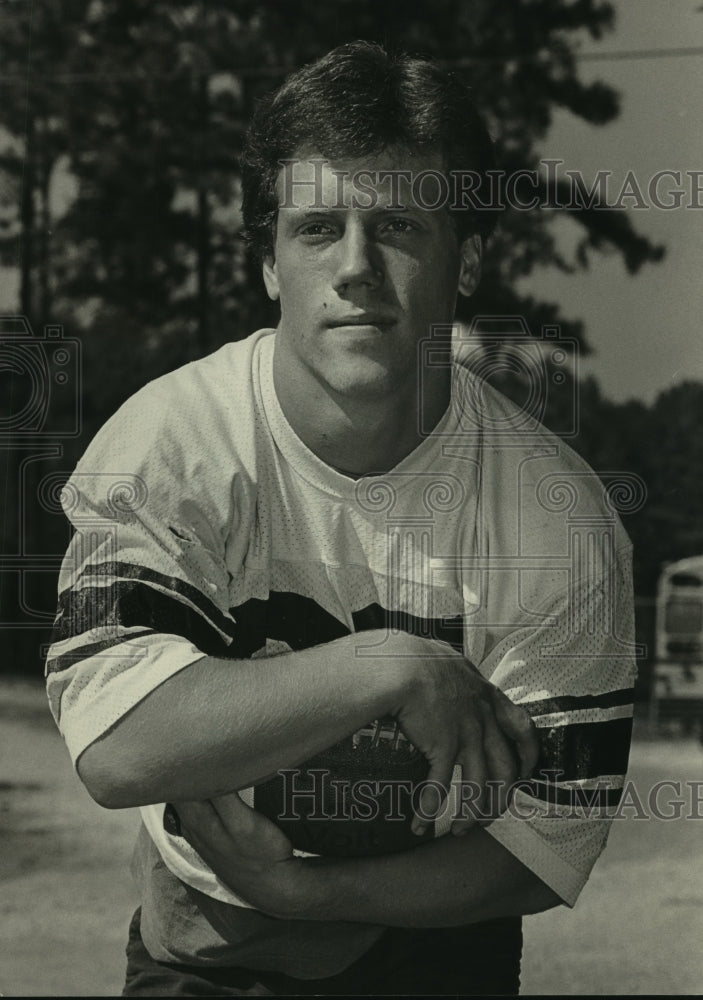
[(640, 54), (614, 56), (463, 63)]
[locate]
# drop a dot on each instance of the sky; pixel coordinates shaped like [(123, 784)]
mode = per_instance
[(646, 330)]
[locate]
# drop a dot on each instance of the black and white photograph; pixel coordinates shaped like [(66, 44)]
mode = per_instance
[(351, 531)]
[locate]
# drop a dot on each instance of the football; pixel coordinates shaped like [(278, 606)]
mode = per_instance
[(356, 799)]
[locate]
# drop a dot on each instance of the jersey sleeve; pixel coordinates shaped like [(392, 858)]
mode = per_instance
[(143, 589), (575, 674)]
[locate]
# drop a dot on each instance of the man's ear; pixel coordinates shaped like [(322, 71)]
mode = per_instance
[(470, 273), (271, 278)]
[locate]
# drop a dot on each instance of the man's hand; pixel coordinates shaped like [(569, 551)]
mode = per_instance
[(226, 711), (454, 715), (439, 884), (246, 851)]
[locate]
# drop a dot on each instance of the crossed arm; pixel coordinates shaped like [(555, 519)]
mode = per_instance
[(219, 726), (441, 883)]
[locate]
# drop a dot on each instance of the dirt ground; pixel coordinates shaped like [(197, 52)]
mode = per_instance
[(66, 895)]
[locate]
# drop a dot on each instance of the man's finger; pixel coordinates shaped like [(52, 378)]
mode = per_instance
[(503, 767), (466, 808), (235, 815), (199, 823), (519, 727), (249, 833), (473, 781), (434, 793), (501, 754)]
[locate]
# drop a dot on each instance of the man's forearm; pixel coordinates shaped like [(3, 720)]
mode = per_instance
[(450, 881), (221, 725)]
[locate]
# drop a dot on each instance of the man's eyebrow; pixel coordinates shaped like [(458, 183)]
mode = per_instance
[(298, 213), (311, 210), (293, 215)]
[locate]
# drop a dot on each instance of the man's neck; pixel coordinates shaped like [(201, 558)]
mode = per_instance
[(364, 436)]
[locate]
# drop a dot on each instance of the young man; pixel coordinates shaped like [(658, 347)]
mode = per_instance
[(331, 524)]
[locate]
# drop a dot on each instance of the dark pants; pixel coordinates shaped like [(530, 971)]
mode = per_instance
[(480, 959)]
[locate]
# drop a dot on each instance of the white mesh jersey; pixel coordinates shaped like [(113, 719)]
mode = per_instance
[(204, 526)]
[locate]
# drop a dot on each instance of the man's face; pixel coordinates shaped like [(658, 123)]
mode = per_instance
[(363, 269)]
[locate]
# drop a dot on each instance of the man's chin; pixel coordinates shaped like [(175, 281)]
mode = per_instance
[(363, 381)]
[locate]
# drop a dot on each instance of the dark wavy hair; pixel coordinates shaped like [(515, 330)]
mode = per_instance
[(355, 101)]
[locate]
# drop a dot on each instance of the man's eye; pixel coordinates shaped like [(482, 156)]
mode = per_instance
[(399, 225), (315, 229)]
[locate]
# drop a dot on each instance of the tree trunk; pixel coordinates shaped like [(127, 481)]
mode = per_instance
[(44, 170), (204, 249), (27, 215)]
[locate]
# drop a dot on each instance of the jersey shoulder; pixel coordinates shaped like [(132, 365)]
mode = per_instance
[(194, 415), (533, 483)]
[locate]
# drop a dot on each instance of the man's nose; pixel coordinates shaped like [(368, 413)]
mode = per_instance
[(359, 262)]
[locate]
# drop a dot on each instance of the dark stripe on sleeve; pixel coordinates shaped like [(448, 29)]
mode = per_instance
[(586, 798), (449, 629), (288, 617), (574, 703), (584, 750), (135, 603), (67, 660), (129, 571)]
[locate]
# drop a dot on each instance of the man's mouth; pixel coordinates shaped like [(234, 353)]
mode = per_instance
[(362, 319)]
